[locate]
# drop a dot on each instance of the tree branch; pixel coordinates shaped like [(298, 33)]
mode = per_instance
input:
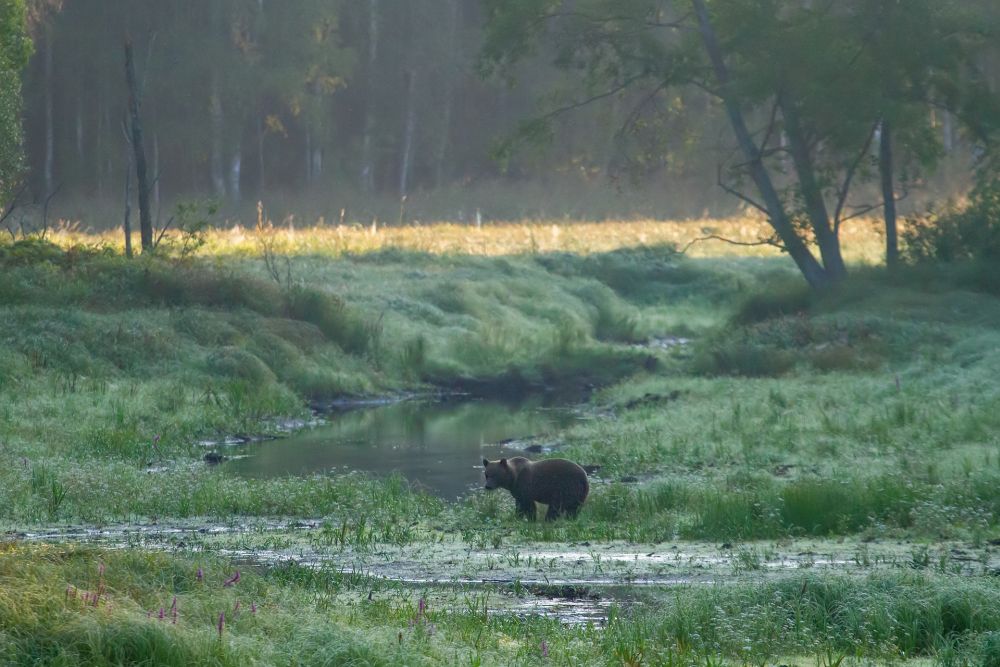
[(12, 206), (45, 209), (860, 211), (849, 176), (760, 207), (580, 103), (633, 115), (715, 237), (622, 18), (163, 231), (771, 124)]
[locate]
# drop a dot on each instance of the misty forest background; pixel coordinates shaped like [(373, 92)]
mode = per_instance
[(362, 103)]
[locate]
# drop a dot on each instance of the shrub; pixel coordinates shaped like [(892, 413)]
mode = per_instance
[(956, 235), (32, 250)]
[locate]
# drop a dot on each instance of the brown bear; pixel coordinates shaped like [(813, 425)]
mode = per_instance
[(558, 483)]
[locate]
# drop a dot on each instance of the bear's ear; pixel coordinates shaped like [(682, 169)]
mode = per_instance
[(503, 462), (486, 462)]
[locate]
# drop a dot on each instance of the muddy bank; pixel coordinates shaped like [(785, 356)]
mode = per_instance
[(575, 583)]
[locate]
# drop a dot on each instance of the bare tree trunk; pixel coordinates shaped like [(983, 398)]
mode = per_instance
[(127, 222), (141, 178), (812, 193), (235, 173), (811, 269), (885, 168), (308, 156), (99, 149), (49, 124), (609, 156), (947, 131), (317, 163), (109, 161), (367, 150), (410, 126), (261, 181), (449, 96), (217, 124), (79, 132), (156, 173)]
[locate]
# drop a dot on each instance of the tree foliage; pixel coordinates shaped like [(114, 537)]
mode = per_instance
[(243, 97), (15, 49), (807, 88)]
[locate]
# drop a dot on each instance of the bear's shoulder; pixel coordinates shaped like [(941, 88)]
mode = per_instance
[(519, 463)]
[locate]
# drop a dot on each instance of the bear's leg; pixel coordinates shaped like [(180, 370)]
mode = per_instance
[(526, 509), (554, 511)]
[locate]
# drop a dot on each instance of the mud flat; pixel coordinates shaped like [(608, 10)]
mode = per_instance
[(573, 583)]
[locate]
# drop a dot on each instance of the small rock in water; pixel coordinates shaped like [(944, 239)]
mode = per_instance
[(534, 449), (629, 479), (214, 458)]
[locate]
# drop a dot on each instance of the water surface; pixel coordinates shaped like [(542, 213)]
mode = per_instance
[(438, 444)]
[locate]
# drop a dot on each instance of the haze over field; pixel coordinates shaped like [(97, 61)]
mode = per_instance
[(356, 104)]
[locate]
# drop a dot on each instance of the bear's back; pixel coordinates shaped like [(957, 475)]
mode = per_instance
[(558, 481)]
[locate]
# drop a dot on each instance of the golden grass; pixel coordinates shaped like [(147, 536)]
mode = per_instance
[(862, 239)]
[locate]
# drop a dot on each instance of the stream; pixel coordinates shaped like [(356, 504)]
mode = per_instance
[(436, 445)]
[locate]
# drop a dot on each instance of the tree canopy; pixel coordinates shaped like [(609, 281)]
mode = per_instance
[(15, 49), (808, 89), (242, 98)]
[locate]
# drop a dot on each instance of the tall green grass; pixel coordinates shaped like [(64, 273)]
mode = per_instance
[(67, 605)]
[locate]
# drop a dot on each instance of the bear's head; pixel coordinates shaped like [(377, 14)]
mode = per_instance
[(499, 474)]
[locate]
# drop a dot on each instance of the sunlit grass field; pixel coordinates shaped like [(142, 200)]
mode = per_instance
[(862, 239), (867, 415)]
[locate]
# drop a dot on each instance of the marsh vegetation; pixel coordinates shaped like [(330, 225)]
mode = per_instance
[(812, 477)]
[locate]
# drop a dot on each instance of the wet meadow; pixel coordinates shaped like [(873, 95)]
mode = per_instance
[(259, 446)]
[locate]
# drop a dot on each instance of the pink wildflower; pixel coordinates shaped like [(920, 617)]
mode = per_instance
[(545, 649), (222, 623), (233, 579), (200, 575)]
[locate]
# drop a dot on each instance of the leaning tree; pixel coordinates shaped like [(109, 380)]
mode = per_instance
[(817, 94)]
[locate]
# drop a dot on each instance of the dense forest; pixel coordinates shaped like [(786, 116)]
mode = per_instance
[(246, 98), (243, 96)]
